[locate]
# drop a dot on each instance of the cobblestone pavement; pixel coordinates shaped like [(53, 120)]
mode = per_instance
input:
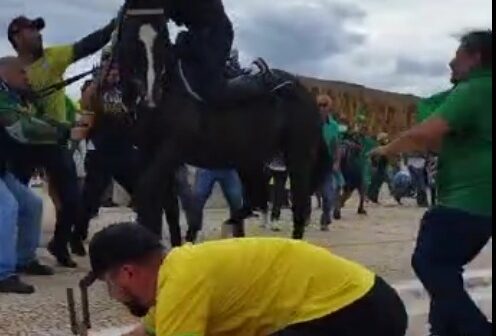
[(383, 241)]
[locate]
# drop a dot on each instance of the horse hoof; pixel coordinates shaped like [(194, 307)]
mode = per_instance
[(362, 212)]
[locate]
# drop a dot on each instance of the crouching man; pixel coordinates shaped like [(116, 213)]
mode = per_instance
[(243, 287)]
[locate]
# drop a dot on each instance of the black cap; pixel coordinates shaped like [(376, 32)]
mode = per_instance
[(22, 22), (119, 244)]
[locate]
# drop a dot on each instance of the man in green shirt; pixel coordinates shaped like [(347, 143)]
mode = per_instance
[(454, 232), (45, 67), (331, 137)]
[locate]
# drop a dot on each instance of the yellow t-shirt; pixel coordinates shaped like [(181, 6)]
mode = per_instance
[(251, 287), (50, 70)]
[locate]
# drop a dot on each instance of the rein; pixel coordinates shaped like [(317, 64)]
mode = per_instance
[(48, 91)]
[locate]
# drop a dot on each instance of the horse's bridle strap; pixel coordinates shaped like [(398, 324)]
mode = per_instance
[(145, 12)]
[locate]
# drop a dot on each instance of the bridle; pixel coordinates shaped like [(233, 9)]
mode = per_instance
[(124, 13)]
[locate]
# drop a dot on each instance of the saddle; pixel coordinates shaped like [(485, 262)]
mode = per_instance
[(242, 84)]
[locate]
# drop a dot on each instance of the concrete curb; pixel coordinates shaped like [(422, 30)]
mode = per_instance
[(413, 291)]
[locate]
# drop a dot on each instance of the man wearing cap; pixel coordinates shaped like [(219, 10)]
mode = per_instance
[(331, 137), (243, 287), (45, 67)]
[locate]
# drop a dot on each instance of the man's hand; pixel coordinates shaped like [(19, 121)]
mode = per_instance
[(138, 331), (87, 119), (79, 133)]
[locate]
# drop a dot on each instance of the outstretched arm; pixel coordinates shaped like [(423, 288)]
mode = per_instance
[(93, 42)]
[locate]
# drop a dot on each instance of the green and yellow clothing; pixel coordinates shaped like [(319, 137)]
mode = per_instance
[(465, 176), (72, 109), (50, 69), (251, 287), (20, 120), (47, 71)]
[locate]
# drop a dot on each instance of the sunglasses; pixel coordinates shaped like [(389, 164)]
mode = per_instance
[(323, 105)]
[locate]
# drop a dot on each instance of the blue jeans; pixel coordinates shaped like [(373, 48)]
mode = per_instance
[(231, 187), (449, 239), (20, 225), (329, 192)]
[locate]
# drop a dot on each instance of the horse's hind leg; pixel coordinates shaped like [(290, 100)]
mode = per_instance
[(301, 197), (172, 214)]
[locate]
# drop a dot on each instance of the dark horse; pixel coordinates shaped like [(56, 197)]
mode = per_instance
[(175, 128)]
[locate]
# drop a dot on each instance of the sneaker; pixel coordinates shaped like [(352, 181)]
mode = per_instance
[(35, 268), (61, 254), (325, 220), (324, 228), (77, 247), (14, 285)]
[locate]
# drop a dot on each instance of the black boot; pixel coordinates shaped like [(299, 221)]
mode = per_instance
[(77, 247), (14, 285), (61, 254), (35, 268)]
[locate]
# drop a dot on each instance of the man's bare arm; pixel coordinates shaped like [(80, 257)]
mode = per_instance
[(425, 137)]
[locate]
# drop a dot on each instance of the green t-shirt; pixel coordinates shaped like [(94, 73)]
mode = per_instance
[(49, 70), (331, 136), (465, 177), (368, 144), (426, 107)]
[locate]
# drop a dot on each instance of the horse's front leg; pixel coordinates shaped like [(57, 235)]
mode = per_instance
[(300, 173), (172, 211), (155, 189)]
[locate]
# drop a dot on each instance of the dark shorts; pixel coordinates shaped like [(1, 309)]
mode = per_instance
[(379, 313)]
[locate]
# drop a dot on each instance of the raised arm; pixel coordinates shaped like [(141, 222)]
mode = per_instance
[(93, 42)]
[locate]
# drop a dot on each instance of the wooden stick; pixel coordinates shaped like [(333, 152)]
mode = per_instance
[(85, 307), (71, 305)]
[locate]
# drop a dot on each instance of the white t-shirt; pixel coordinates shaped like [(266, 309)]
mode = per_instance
[(416, 162)]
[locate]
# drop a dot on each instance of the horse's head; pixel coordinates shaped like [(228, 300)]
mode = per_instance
[(143, 50)]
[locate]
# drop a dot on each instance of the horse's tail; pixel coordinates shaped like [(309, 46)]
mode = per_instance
[(322, 166)]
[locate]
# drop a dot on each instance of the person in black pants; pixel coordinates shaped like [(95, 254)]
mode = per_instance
[(381, 313), (60, 168)]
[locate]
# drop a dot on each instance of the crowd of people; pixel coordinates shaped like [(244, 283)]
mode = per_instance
[(182, 290)]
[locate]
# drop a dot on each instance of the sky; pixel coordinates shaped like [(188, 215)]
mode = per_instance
[(395, 45)]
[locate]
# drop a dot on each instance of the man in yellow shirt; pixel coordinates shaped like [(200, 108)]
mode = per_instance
[(45, 67), (243, 287)]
